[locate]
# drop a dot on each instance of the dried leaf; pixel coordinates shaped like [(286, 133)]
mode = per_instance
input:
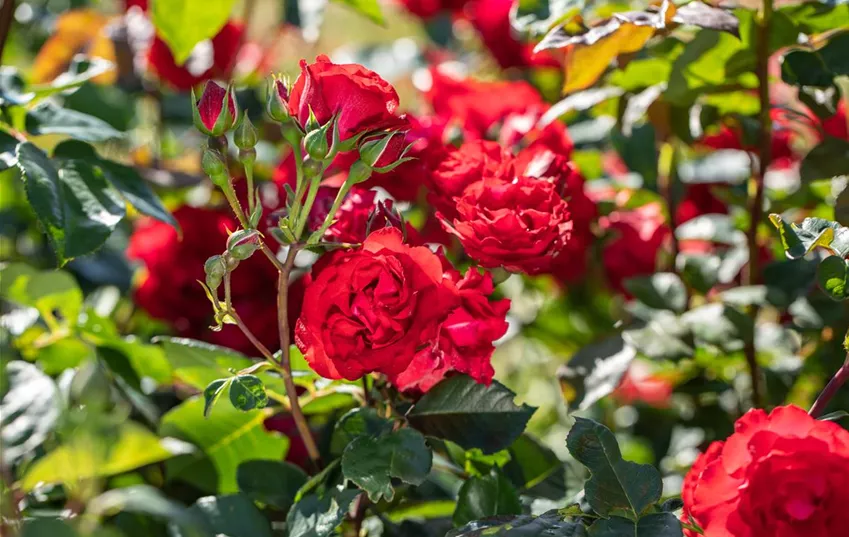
[(80, 31)]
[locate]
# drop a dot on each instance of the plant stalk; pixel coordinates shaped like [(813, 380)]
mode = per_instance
[(337, 202), (830, 390), (756, 184), (7, 14)]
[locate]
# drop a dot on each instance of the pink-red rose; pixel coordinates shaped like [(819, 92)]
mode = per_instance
[(370, 309), (465, 340), (362, 100), (782, 474), (462, 166)]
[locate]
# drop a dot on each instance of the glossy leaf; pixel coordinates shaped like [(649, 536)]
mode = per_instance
[(828, 159), (147, 500), (247, 392), (49, 118), (549, 524), (653, 525), (663, 290), (470, 414), (273, 483), (319, 516), (29, 410), (356, 423), (594, 371), (233, 515), (537, 17), (833, 277), (212, 393), (615, 484), (182, 24), (371, 462), (47, 527), (818, 67), (487, 496)]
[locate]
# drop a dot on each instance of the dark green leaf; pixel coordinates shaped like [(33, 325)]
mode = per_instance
[(832, 275), (487, 496), (549, 524), (841, 207), (537, 17), (802, 67), (705, 66), (29, 410), (638, 151), (663, 290), (371, 462), (247, 392), (654, 525), (594, 371), (8, 143), (274, 483), (119, 364), (145, 499), (816, 17), (615, 484), (233, 515), (719, 324), (47, 527), (212, 393), (357, 422), (49, 118), (828, 159), (699, 272), (130, 184), (367, 8), (12, 88), (182, 24), (315, 516), (470, 414), (665, 337)]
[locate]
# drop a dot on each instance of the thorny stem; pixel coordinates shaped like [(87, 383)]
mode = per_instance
[(830, 389), (756, 184), (315, 183), (249, 176), (285, 364), (300, 184)]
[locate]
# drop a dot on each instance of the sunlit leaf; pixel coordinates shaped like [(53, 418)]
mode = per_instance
[(182, 24)]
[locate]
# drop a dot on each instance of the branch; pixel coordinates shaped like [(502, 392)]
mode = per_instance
[(7, 14), (836, 382)]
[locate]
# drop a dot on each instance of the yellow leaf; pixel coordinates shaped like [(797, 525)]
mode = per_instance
[(585, 64), (77, 31)]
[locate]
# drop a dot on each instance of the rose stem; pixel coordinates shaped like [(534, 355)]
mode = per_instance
[(830, 389), (285, 364), (756, 185)]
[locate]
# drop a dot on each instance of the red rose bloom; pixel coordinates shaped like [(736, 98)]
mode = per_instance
[(463, 166), (639, 235), (521, 224), (639, 385), (371, 308), (362, 99), (170, 290), (491, 18), (783, 474), (698, 200), (464, 344), (224, 49), (426, 9)]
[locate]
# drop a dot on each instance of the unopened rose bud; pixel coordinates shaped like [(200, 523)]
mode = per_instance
[(245, 136), (216, 111), (316, 144), (215, 270), (277, 103), (243, 243), (383, 150), (213, 166)]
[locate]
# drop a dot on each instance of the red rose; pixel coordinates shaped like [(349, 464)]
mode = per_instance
[(169, 290), (784, 474), (371, 308), (837, 125), (639, 235), (362, 99), (224, 48), (464, 344), (640, 385), (463, 166), (491, 18), (521, 224), (698, 200), (426, 9)]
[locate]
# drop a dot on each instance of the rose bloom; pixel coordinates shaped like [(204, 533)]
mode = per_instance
[(699, 199), (640, 385), (463, 166), (638, 236), (491, 19), (464, 342), (426, 9), (521, 224), (170, 291), (362, 99), (783, 474), (370, 309)]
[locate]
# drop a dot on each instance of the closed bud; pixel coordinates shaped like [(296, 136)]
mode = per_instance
[(213, 166), (359, 172), (316, 143), (243, 243), (215, 270), (382, 150), (245, 136), (277, 104), (216, 112)]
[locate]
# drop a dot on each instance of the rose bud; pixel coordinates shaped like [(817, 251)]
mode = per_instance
[(215, 270), (243, 243), (278, 100), (384, 153), (215, 112)]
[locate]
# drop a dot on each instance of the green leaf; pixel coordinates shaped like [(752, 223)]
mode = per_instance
[(131, 185), (826, 160), (49, 118), (356, 423), (641, 74), (47, 527), (247, 392), (665, 337), (705, 67), (549, 524), (662, 290), (229, 438), (537, 17), (802, 239), (8, 143), (211, 394), (319, 516), (841, 207), (801, 67), (487, 496), (86, 457), (816, 17), (29, 410), (654, 525), (51, 292), (369, 9), (371, 462), (719, 324), (594, 371), (470, 414), (233, 515), (615, 484), (75, 204), (147, 500), (182, 24), (534, 466), (832, 276), (274, 483)]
